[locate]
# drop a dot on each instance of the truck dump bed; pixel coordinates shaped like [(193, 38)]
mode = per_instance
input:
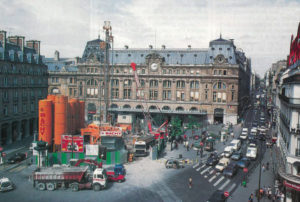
[(60, 173)]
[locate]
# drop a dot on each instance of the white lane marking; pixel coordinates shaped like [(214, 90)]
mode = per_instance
[(200, 167), (196, 165), (212, 178), (224, 185), (205, 176), (205, 170), (219, 181), (211, 171), (232, 187)]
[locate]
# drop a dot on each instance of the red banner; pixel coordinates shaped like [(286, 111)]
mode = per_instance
[(66, 143), (291, 185)]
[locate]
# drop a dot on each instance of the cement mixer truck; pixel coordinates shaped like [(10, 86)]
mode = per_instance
[(76, 178)]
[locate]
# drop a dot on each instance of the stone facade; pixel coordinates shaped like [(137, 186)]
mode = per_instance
[(205, 83), (23, 82)]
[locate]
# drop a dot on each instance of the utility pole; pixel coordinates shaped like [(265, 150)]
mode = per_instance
[(108, 36)]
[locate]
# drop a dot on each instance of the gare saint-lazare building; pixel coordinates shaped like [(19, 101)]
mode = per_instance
[(211, 84)]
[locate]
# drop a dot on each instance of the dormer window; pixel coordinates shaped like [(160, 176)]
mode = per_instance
[(129, 55), (220, 48), (228, 49), (212, 48), (230, 57)]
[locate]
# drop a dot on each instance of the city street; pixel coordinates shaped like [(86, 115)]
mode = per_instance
[(148, 180)]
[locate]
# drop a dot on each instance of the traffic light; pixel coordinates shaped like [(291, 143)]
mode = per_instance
[(102, 152)]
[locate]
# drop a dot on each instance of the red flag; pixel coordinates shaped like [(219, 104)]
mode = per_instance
[(133, 66)]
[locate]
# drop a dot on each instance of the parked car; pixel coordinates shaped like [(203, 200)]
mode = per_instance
[(212, 160), (173, 163), (6, 184), (243, 163), (18, 157), (217, 196), (236, 156), (230, 170)]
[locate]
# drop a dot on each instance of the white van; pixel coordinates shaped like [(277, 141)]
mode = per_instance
[(251, 152), (235, 144), (244, 134), (253, 131)]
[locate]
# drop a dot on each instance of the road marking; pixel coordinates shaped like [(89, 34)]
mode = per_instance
[(211, 171), (205, 176), (219, 181), (196, 165), (232, 187), (200, 167), (211, 179), (16, 169), (205, 170), (224, 185)]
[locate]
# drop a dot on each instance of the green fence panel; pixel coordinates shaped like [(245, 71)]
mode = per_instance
[(108, 158), (54, 158), (117, 157), (64, 158), (81, 155)]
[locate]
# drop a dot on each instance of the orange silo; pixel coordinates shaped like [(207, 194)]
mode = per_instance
[(51, 97), (60, 121), (45, 121), (81, 114), (72, 113)]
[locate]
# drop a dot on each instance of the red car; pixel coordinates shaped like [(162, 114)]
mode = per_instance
[(112, 177)]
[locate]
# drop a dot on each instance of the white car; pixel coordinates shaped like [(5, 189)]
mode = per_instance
[(6, 184), (228, 151), (222, 164), (251, 153)]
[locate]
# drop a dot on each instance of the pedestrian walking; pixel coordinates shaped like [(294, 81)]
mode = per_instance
[(251, 198), (267, 165), (263, 167), (269, 192), (281, 197), (190, 182)]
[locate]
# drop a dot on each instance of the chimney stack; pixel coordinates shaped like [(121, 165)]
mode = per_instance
[(126, 46), (56, 55), (189, 47), (35, 45), (163, 47), (17, 40), (150, 47)]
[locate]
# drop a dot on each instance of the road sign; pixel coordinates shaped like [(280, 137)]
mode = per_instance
[(226, 194), (201, 143), (245, 170)]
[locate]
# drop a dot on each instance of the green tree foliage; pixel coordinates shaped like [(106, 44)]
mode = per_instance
[(192, 124), (176, 127)]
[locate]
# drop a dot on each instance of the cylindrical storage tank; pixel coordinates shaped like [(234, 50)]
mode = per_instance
[(72, 113), (77, 115), (60, 121), (45, 121), (81, 113), (51, 97)]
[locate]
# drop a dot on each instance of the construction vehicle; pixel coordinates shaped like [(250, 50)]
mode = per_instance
[(142, 145), (113, 176), (76, 178)]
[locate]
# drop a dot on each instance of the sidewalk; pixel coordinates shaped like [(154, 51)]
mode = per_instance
[(267, 179)]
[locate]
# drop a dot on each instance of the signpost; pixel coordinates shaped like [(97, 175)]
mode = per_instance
[(226, 194)]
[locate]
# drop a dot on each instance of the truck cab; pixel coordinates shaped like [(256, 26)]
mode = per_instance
[(99, 179)]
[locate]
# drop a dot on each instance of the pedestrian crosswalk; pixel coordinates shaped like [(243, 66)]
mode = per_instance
[(217, 179)]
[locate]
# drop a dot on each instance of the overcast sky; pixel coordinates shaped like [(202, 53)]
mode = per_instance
[(262, 29)]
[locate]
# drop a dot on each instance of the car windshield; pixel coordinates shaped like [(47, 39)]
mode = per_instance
[(221, 164), (5, 184)]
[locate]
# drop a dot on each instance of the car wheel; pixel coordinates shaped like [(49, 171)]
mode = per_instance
[(74, 187)]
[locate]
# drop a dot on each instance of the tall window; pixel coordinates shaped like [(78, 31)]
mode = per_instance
[(167, 94), (167, 84), (214, 96), (194, 84), (153, 94), (142, 83), (206, 95), (232, 95), (153, 83), (194, 94), (127, 89), (180, 95), (115, 88), (180, 84), (92, 88), (164, 71)]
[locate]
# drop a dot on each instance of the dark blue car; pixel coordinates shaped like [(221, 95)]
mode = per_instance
[(243, 163)]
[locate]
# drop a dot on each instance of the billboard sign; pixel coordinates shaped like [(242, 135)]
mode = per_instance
[(66, 143), (111, 133), (91, 150)]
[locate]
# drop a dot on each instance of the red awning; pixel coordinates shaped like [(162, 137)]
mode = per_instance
[(291, 185)]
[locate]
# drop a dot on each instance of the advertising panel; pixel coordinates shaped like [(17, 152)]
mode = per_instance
[(66, 143), (91, 150), (111, 133)]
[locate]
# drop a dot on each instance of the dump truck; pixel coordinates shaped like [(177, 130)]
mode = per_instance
[(76, 178), (142, 145)]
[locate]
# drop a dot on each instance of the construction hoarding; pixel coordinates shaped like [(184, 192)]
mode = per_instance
[(67, 143)]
